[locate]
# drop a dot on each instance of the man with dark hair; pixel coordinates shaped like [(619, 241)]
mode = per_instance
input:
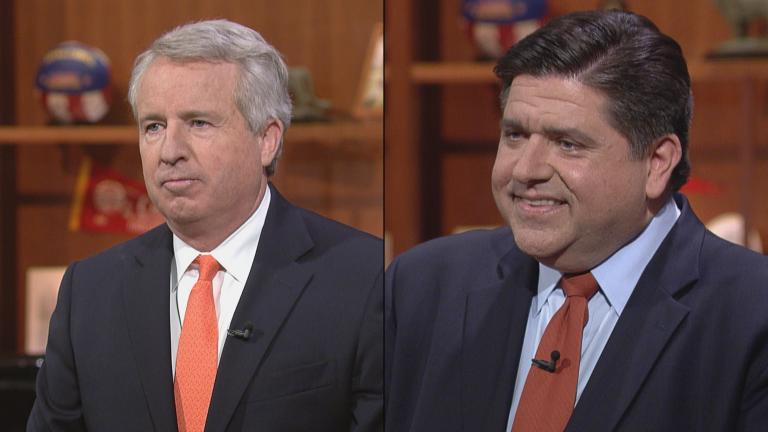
[(242, 312), (605, 304)]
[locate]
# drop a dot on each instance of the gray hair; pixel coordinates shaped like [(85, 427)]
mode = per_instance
[(261, 93)]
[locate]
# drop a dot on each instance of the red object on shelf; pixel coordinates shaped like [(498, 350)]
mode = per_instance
[(107, 201), (698, 186)]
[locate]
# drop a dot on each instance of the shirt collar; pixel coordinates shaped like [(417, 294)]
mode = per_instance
[(235, 254), (618, 275), (548, 278)]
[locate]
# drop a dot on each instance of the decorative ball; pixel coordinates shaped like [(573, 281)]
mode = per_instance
[(74, 83), (494, 26)]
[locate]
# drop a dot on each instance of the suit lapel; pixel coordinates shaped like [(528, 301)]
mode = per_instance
[(494, 327), (146, 296), (274, 284), (648, 322)]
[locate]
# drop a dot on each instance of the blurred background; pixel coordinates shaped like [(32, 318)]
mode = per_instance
[(442, 110), (68, 191)]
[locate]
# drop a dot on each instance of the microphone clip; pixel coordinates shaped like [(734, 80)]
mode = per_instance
[(548, 365), (244, 333)]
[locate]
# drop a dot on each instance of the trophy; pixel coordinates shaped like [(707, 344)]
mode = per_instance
[(740, 14), (306, 106), (619, 5)]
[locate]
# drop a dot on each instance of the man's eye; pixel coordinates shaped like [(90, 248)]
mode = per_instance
[(568, 145), (153, 127), (199, 123), (514, 135)]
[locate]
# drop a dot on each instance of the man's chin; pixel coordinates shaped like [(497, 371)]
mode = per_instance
[(555, 255), (535, 244), (179, 214)]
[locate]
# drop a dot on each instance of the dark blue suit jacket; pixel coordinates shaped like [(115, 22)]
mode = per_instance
[(314, 362), (689, 352)]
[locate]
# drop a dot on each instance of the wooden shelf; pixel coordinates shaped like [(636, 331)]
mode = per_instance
[(336, 131), (482, 72), (453, 73), (727, 69), (24, 135), (326, 133)]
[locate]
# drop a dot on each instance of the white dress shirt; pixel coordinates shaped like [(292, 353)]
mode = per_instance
[(235, 256), (617, 277)]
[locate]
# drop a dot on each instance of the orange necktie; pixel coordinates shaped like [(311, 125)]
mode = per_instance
[(198, 351), (548, 397)]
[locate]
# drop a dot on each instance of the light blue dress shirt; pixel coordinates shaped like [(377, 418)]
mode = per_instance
[(617, 277)]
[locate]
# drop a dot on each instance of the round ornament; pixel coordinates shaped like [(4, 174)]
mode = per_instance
[(74, 83)]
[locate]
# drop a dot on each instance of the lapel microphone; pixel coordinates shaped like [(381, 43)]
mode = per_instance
[(243, 333), (549, 366)]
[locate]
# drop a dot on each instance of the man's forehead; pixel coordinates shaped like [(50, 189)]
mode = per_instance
[(193, 86), (558, 96), (560, 88), (557, 106)]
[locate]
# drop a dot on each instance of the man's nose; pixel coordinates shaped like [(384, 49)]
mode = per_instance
[(533, 164), (175, 146)]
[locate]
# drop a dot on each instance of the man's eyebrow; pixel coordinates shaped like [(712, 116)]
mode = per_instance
[(186, 115), (508, 123), (151, 116), (511, 123), (574, 133)]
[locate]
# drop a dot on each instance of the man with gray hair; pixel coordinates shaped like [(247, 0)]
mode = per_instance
[(242, 312)]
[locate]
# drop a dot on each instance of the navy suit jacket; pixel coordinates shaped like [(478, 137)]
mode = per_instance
[(314, 362), (689, 352)]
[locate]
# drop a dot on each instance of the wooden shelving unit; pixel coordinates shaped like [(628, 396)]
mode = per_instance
[(453, 73), (714, 70), (446, 73), (45, 135), (331, 133)]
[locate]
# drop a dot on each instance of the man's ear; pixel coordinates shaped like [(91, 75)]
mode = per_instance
[(665, 153), (270, 141)]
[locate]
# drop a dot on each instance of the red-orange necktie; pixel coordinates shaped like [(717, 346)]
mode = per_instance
[(549, 396), (197, 354)]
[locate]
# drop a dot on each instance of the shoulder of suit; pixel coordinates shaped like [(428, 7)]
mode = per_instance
[(476, 251), (463, 245), (732, 288), (157, 237), (445, 267), (722, 258), (324, 230)]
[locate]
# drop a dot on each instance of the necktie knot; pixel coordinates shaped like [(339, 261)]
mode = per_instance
[(580, 285), (208, 267)]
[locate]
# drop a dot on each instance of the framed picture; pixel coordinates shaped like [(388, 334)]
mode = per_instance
[(370, 94), (42, 290)]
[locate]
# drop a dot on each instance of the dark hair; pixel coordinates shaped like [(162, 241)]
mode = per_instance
[(625, 56)]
